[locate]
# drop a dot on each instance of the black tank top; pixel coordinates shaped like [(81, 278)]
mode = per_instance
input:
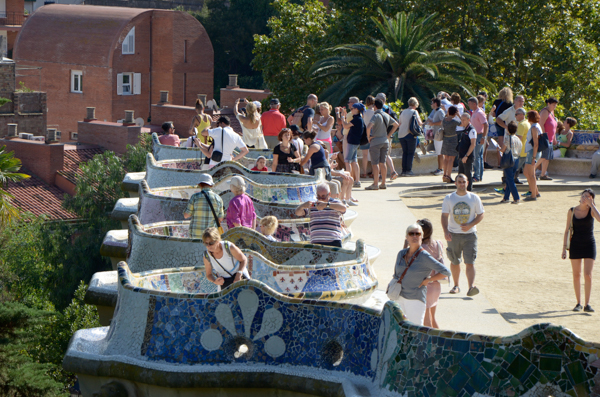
[(583, 229)]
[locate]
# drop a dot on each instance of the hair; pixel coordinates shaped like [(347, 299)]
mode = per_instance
[(551, 100), (282, 133), (465, 115), (461, 176), (473, 99), (224, 120), (571, 121), (199, 105), (237, 184), (590, 192), (442, 94), (533, 116), (414, 226), (521, 97), (167, 125), (512, 128), (325, 105), (370, 100), (378, 103), (312, 96), (258, 159), (560, 127), (323, 187), (211, 233), (452, 111), (427, 228), (412, 101), (309, 135), (354, 99), (251, 110), (520, 111), (506, 95), (455, 98), (269, 223), (482, 93), (437, 102), (480, 99)]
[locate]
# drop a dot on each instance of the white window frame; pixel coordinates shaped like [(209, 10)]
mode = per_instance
[(134, 85), (128, 46), (76, 81)]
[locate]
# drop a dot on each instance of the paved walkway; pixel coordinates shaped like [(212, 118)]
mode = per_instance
[(382, 222)]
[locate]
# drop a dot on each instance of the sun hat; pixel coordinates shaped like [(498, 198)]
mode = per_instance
[(206, 179)]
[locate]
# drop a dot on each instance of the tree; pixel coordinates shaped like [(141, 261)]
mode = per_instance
[(408, 62), (297, 39), (9, 165)]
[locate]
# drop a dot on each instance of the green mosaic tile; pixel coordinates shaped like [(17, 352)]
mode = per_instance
[(459, 380), (550, 364), (539, 338), (527, 343), (576, 372), (489, 367), (582, 389), (551, 348), (519, 366), (469, 364), (480, 380)]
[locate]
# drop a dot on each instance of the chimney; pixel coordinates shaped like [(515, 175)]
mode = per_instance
[(202, 98), (128, 117), (90, 114), (164, 97), (51, 135), (233, 83), (12, 131)]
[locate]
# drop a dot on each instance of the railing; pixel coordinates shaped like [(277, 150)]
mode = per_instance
[(12, 18)]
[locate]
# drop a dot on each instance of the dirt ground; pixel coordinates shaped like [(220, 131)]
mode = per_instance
[(519, 266)]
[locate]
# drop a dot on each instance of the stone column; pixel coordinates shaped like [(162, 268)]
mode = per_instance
[(233, 81)]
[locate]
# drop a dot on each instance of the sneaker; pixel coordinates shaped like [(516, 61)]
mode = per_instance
[(578, 308), (528, 194), (592, 176), (545, 178), (351, 203), (516, 202), (372, 187), (476, 180), (529, 198), (518, 182), (409, 173), (345, 203), (403, 173), (588, 309), (417, 158), (356, 184), (473, 291), (499, 190), (486, 166), (438, 172)]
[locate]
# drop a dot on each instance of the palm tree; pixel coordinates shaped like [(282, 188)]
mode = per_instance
[(408, 62), (9, 165)]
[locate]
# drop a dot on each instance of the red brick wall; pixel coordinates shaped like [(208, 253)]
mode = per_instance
[(181, 116), (41, 159), (228, 96), (111, 136)]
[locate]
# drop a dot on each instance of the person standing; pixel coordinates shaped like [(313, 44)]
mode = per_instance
[(240, 211), (272, 121), (449, 125), (531, 147), (388, 160), (504, 101), (367, 116), (549, 124), (513, 144), (169, 138), (378, 134), (407, 139), (435, 120), (324, 125), (466, 147), (200, 208), (325, 217), (303, 116), (251, 125), (523, 127), (480, 123), (200, 121), (225, 141), (461, 212), (355, 128), (580, 220)]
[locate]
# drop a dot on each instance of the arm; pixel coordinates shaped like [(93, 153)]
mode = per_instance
[(536, 140), (396, 125), (471, 148), (369, 128), (186, 215), (275, 162), (569, 219), (486, 128), (195, 123), (543, 117), (209, 275), (339, 207), (300, 209), (204, 132), (501, 122), (311, 151), (467, 226), (243, 151), (447, 234), (309, 124), (568, 142), (239, 255)]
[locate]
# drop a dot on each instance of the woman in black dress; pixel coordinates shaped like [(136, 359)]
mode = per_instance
[(285, 155), (582, 245)]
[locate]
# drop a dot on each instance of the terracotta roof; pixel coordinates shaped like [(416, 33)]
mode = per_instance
[(37, 197), (74, 34), (75, 156)]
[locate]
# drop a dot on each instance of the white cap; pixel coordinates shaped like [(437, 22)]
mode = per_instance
[(258, 104), (237, 183)]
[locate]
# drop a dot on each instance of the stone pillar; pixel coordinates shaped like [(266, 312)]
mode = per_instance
[(164, 96), (51, 135), (233, 81), (12, 131), (202, 98), (128, 117), (90, 114)]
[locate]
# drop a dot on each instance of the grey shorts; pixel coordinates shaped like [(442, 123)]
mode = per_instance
[(464, 245), (378, 153)]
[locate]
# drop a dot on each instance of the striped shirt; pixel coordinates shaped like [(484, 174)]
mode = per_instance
[(202, 216), (325, 225)]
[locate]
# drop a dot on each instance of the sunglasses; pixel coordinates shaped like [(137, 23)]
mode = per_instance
[(414, 233), (322, 197), (211, 243)]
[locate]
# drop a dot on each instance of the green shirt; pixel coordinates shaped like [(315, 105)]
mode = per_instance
[(202, 216)]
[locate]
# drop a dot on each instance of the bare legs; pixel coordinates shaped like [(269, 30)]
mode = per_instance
[(588, 266), (379, 168), (448, 162), (470, 270), (430, 318), (545, 163), (529, 171)]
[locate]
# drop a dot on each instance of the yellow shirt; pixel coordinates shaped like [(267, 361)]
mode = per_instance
[(522, 129)]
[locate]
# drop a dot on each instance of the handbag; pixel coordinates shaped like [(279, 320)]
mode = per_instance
[(570, 234), (214, 213), (414, 127), (217, 156), (394, 288), (507, 160), (543, 142)]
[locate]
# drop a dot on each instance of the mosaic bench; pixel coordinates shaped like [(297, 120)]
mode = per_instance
[(166, 152), (250, 336)]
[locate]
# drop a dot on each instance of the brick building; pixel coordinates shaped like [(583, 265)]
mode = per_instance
[(113, 58), (12, 16)]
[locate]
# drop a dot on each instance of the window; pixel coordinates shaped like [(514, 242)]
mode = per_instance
[(129, 42), (129, 83), (76, 80)]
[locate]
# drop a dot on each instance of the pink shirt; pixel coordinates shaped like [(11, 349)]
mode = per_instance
[(169, 139), (550, 126), (478, 120), (273, 122), (240, 210)]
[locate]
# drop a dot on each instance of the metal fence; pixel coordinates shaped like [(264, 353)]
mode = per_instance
[(12, 18)]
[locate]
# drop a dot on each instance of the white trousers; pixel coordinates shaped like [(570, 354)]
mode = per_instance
[(413, 309), (438, 146)]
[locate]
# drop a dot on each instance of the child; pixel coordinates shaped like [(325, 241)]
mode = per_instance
[(268, 226), (261, 164)]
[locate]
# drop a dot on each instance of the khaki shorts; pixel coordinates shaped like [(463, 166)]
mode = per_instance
[(464, 245)]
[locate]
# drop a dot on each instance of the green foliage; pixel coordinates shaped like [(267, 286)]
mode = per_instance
[(135, 158), (4, 101), (9, 167), (297, 39), (23, 88)]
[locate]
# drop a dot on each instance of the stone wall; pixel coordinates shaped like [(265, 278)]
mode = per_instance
[(111, 136), (181, 116), (41, 159), (229, 95)]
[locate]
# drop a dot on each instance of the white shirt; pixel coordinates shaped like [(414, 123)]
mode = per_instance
[(368, 115), (231, 141), (446, 103), (461, 209), (538, 130)]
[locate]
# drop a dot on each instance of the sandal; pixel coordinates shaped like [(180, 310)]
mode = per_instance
[(455, 290), (382, 187), (363, 176), (372, 187), (394, 175)]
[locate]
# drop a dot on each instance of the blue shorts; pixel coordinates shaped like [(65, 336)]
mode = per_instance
[(352, 155), (365, 147), (529, 159)]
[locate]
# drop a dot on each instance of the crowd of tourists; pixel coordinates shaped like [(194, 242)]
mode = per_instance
[(317, 135)]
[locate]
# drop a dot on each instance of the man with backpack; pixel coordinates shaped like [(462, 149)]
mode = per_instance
[(388, 160), (303, 116)]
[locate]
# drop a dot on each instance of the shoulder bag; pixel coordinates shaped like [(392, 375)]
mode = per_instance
[(507, 160), (214, 213), (245, 275), (217, 156), (414, 127), (543, 141), (570, 234), (395, 286)]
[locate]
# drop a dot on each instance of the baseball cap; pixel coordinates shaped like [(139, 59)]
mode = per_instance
[(295, 129), (275, 101), (258, 104), (206, 179), (359, 106)]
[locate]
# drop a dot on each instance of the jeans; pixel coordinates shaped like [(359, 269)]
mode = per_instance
[(478, 162), (467, 168), (509, 177), (409, 146)]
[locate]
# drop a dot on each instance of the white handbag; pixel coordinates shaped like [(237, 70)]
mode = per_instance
[(395, 285)]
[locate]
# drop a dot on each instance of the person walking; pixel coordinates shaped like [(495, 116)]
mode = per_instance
[(531, 147), (435, 119), (413, 269), (580, 224), (512, 144), (466, 148), (240, 211), (461, 212), (272, 121), (408, 140), (378, 134), (204, 207), (449, 124)]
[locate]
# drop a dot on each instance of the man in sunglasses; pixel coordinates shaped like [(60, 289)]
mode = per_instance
[(461, 232), (325, 217)]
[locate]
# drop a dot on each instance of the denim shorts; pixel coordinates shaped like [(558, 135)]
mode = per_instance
[(365, 147), (529, 159), (352, 153)]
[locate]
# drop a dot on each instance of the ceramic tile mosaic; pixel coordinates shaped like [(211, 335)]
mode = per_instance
[(185, 173), (583, 138)]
